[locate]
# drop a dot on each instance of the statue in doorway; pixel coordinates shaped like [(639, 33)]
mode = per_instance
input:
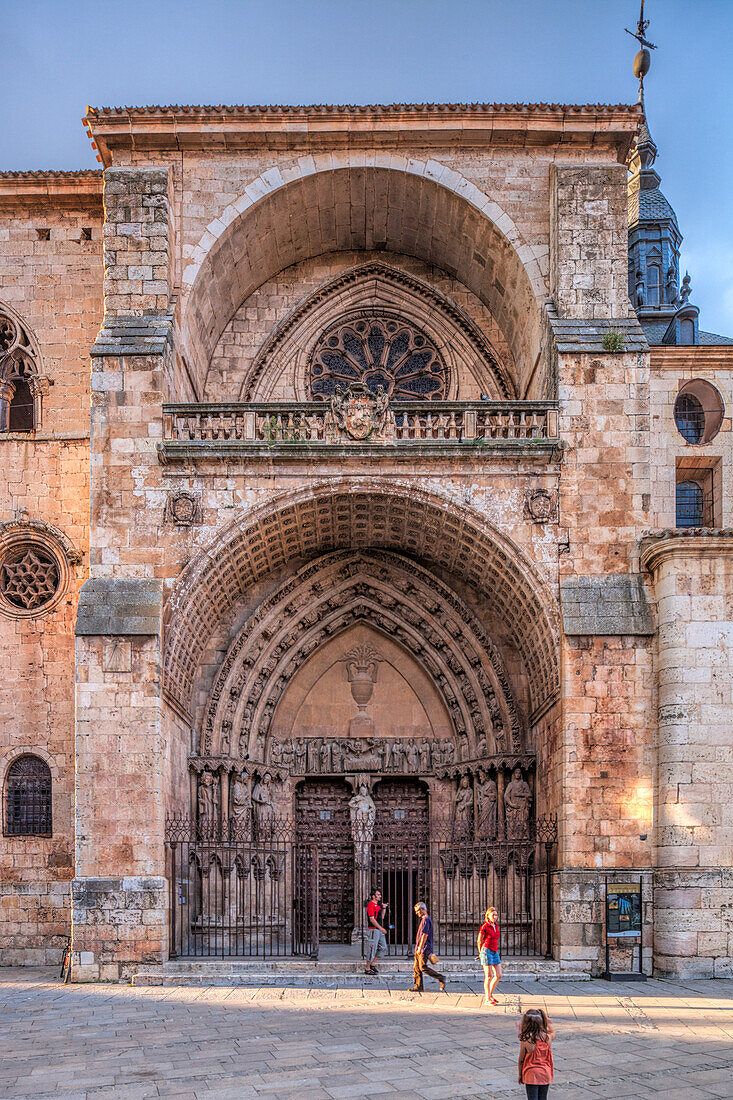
[(241, 806), (487, 799), (517, 799), (207, 803), (264, 810), (463, 807), (362, 812)]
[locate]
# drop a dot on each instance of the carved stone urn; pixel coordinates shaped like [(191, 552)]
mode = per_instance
[(361, 670)]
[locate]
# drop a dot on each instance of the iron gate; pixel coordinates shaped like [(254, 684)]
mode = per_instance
[(242, 897)]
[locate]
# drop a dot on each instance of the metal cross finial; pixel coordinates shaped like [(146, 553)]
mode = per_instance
[(640, 33), (642, 60)]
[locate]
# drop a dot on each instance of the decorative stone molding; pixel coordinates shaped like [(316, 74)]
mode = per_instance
[(541, 505), (183, 509), (35, 560), (658, 546)]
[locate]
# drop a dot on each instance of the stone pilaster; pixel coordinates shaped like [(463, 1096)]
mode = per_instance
[(693, 897)]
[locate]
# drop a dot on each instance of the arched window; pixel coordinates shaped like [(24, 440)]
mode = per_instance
[(687, 332), (379, 351), (690, 504), (28, 798), (21, 414), (654, 284)]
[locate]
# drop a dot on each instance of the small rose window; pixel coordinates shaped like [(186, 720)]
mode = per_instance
[(379, 352), (29, 578)]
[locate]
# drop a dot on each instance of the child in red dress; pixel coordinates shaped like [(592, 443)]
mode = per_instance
[(535, 1056)]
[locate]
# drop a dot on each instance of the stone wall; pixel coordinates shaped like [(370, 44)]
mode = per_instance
[(50, 275)]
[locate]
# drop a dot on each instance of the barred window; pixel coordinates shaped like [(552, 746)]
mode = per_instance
[(690, 505), (28, 798)]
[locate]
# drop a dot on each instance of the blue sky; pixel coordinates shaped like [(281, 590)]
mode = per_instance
[(60, 55)]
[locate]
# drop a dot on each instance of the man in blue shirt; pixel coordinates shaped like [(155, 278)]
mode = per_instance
[(423, 950)]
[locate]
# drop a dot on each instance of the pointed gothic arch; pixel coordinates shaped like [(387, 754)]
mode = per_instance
[(375, 289)]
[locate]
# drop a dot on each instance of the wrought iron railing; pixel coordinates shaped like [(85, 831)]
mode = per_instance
[(244, 894), (259, 424)]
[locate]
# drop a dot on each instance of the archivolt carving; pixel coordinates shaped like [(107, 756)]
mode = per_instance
[(372, 289), (347, 513), (397, 597)]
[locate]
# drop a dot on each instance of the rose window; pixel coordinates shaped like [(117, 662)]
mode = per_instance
[(379, 352), (29, 577)]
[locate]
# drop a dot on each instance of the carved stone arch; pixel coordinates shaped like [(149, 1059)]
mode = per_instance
[(375, 289), (20, 365), (403, 600), (347, 512)]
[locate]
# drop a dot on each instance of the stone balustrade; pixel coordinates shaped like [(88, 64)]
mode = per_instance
[(206, 429)]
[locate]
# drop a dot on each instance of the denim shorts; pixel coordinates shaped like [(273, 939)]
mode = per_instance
[(489, 958)]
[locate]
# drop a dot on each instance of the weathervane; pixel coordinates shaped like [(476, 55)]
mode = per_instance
[(643, 59)]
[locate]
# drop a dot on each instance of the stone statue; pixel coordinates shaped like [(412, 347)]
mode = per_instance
[(301, 756), (387, 756), (276, 752), (517, 799), (264, 810), (449, 751), (337, 756), (362, 812), (463, 807), (241, 805), (487, 798), (397, 755), (482, 748), (325, 753), (411, 756), (288, 754), (424, 757), (207, 802)]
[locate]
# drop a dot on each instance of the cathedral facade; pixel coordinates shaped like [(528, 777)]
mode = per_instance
[(368, 523)]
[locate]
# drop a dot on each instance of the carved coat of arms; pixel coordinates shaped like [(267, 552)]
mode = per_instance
[(357, 411)]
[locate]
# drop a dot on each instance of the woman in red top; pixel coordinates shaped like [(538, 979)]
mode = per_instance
[(535, 1056), (488, 950)]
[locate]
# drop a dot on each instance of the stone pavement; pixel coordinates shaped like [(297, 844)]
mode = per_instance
[(670, 1039)]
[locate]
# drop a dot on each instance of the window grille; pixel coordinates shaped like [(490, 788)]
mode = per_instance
[(694, 509), (28, 798), (689, 416)]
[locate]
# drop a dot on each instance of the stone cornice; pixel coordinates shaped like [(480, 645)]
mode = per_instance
[(223, 129), (696, 357), (656, 547), (72, 190)]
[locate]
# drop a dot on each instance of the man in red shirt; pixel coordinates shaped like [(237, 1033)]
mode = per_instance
[(377, 932)]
